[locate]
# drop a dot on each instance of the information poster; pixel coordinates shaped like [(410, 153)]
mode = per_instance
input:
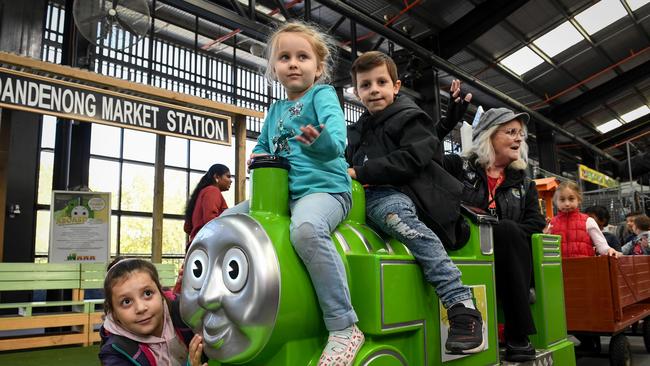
[(80, 227)]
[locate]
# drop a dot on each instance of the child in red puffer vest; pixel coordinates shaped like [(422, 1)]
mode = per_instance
[(580, 233)]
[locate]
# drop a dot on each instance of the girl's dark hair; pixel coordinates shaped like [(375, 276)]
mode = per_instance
[(121, 267), (206, 180)]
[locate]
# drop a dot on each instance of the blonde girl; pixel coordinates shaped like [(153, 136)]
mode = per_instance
[(309, 130)]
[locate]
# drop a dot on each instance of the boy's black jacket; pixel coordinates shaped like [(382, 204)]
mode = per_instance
[(398, 147)]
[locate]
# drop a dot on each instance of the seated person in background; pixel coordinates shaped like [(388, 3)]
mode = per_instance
[(639, 244), (601, 216), (624, 230), (580, 233), (393, 150)]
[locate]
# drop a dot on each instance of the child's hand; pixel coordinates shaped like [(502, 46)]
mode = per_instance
[(547, 229), (196, 351), (309, 134), (253, 156), (352, 173), (611, 252), (643, 241)]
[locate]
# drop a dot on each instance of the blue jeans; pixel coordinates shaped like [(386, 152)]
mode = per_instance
[(395, 214), (313, 218)]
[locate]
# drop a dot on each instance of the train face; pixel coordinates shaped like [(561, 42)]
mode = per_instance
[(231, 288), (246, 291)]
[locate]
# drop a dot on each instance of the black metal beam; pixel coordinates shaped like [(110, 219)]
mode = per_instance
[(336, 25), (307, 7), (595, 97), (377, 44), (623, 133), (473, 24), (252, 9), (236, 5), (225, 17), (283, 10), (429, 57)]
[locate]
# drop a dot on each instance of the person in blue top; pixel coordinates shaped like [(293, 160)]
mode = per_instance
[(308, 128)]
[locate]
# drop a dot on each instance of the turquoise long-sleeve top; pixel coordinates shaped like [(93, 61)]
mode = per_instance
[(316, 168)]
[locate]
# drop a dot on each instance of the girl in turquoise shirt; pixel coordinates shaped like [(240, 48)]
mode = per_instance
[(308, 128)]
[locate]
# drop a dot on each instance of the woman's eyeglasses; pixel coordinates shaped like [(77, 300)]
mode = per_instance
[(514, 132)]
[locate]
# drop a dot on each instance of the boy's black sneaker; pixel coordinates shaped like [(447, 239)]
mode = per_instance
[(519, 350), (465, 330)]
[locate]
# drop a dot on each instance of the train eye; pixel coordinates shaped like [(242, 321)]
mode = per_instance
[(235, 269), (197, 268)]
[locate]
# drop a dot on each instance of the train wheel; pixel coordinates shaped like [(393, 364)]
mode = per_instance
[(646, 333), (619, 351), (383, 357)]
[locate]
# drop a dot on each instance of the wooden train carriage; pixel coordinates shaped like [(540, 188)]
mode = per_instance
[(605, 295)]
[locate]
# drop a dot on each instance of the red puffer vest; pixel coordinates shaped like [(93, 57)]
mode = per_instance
[(572, 226)]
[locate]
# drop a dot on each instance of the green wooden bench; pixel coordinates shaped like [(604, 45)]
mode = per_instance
[(32, 315)]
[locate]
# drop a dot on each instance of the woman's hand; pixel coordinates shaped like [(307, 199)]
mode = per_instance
[(458, 104), (309, 134), (352, 173), (455, 92), (196, 351)]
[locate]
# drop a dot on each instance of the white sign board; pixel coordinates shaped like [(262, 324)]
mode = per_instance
[(80, 227)]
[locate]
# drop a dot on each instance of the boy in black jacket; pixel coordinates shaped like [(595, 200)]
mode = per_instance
[(393, 150)]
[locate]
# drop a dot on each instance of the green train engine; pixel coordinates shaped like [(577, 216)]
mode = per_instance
[(246, 291)]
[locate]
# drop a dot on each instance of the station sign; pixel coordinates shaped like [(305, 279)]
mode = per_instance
[(75, 101)]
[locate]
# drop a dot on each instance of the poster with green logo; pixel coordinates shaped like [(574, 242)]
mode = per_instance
[(80, 227)]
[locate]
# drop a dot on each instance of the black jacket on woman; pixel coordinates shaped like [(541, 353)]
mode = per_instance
[(397, 147), (516, 198)]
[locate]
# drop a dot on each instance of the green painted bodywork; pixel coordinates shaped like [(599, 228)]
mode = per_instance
[(548, 309), (399, 313)]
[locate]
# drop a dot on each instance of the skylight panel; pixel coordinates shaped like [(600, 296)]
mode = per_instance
[(559, 39), (600, 15), (632, 115), (608, 126), (522, 61), (635, 4)]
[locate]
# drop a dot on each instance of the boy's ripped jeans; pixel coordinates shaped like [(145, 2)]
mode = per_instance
[(394, 213)]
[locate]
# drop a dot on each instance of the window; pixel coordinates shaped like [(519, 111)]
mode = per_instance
[(522, 61), (634, 114), (608, 126), (636, 4), (106, 140), (600, 15), (559, 39)]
